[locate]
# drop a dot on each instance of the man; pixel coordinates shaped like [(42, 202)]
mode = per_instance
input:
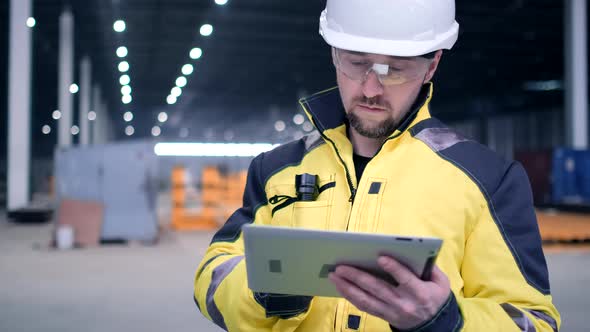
[(386, 166)]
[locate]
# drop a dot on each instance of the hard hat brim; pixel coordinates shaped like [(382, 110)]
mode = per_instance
[(406, 48)]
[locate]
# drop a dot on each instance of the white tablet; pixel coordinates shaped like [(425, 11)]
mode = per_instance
[(297, 261)]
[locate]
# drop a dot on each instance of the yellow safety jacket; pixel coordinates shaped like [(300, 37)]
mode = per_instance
[(426, 180)]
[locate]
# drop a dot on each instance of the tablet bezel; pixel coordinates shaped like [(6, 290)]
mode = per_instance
[(296, 261)]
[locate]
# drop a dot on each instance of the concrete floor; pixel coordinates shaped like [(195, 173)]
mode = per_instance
[(111, 288), (138, 288)]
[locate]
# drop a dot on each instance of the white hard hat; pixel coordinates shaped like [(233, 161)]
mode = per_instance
[(390, 27)]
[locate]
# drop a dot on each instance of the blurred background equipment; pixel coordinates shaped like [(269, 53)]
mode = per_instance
[(219, 193), (131, 121), (560, 178), (113, 184), (571, 177)]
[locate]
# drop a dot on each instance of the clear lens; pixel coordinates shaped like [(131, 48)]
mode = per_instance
[(390, 70)]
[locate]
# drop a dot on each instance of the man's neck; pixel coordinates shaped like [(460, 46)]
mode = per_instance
[(364, 146)]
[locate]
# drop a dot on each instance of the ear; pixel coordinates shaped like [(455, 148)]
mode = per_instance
[(333, 52), (433, 66)]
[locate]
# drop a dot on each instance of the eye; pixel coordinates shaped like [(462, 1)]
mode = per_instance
[(359, 62)]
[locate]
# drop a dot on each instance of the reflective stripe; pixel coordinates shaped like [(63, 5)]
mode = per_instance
[(207, 264), (544, 317), (313, 140), (521, 320), (219, 273), (524, 322), (439, 139)]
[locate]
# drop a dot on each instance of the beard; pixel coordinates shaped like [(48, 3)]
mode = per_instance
[(371, 129)]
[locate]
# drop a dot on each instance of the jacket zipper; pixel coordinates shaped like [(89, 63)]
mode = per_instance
[(387, 140), (348, 177)]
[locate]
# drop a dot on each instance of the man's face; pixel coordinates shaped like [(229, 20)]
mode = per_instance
[(374, 109)]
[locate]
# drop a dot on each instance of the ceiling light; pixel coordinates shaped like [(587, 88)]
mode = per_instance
[(129, 130), (196, 53), (128, 116), (126, 99), (123, 66), (125, 80), (74, 88), (187, 69), (125, 90), (156, 131), (75, 130), (298, 119), (31, 22), (119, 26), (307, 126), (122, 52), (280, 126), (162, 117), (206, 30), (181, 82), (171, 100), (176, 92)]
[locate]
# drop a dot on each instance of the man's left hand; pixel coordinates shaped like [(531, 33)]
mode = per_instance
[(409, 304)]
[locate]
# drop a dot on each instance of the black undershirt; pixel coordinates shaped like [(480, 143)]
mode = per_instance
[(360, 163)]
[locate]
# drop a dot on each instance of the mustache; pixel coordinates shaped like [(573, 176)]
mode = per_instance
[(375, 102)]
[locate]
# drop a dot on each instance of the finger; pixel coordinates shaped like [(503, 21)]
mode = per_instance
[(398, 271), (368, 283), (358, 297), (439, 277)]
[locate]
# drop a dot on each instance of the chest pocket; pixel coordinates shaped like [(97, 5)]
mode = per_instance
[(288, 211), (370, 205)]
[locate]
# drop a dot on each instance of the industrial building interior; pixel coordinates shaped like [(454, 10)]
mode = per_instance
[(127, 128)]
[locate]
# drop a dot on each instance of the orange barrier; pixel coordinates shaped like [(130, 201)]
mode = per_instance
[(234, 191), (220, 196), (181, 218)]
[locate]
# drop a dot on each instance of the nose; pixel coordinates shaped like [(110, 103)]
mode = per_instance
[(371, 86)]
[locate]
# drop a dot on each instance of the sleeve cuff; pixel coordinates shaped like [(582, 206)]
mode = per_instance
[(283, 306), (448, 318)]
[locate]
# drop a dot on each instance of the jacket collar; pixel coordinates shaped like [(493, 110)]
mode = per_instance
[(326, 111)]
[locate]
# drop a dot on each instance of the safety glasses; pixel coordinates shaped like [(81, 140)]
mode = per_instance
[(389, 70)]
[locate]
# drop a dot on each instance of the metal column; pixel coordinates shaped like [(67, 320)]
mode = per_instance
[(106, 123), (100, 125), (19, 105), (576, 73), (85, 91), (65, 78), (96, 108)]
